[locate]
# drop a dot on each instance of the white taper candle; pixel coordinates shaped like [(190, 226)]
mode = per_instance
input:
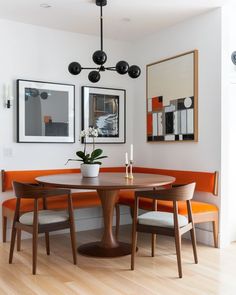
[(9, 92), (131, 152), (6, 91), (126, 159)]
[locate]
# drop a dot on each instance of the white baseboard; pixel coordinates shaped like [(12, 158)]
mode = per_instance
[(203, 236)]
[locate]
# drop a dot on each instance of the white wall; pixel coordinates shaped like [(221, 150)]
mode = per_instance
[(36, 53), (31, 52), (202, 33), (228, 142)]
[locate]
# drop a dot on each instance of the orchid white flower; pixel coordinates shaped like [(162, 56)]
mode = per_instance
[(95, 156), (94, 132), (82, 133), (86, 132), (91, 131)]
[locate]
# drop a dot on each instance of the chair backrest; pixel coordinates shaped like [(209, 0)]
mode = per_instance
[(23, 190), (180, 193)]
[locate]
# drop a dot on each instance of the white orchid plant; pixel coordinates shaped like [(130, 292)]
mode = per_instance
[(96, 154)]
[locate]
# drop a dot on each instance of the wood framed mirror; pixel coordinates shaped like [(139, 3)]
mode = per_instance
[(172, 99)]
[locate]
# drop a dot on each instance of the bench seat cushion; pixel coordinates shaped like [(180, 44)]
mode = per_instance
[(80, 200), (127, 198)]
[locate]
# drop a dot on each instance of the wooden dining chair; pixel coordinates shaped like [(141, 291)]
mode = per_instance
[(164, 223), (41, 221)]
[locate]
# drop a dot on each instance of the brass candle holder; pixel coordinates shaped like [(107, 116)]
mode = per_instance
[(126, 170), (131, 170)]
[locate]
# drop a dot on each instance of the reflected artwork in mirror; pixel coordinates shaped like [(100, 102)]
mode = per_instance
[(104, 108), (172, 99), (45, 112)]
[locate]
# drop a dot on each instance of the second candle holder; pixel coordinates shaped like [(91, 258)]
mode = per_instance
[(126, 170), (131, 170)]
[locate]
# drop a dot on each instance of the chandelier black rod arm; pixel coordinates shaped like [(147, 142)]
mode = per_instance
[(111, 69), (90, 68), (101, 26)]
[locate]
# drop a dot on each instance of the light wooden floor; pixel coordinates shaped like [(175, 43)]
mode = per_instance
[(215, 273)]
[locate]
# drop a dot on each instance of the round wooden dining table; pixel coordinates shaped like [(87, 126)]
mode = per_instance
[(107, 186)]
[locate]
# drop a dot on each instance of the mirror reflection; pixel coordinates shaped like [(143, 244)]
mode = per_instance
[(46, 112)]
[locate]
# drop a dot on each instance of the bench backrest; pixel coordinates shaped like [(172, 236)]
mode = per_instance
[(29, 175), (205, 181)]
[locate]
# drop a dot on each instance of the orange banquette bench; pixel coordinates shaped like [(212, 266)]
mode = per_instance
[(202, 212), (80, 199)]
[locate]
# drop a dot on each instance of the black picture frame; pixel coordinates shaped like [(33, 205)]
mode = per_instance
[(114, 112), (53, 126)]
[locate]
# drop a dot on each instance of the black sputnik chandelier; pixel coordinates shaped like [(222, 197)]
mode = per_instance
[(100, 58)]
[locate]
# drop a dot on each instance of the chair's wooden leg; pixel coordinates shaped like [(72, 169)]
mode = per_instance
[(35, 236), (177, 237), (134, 230), (154, 236), (4, 229), (134, 245), (194, 244), (13, 239), (47, 242), (117, 220), (35, 250), (215, 224), (72, 229), (131, 210), (178, 253), (73, 242), (18, 240)]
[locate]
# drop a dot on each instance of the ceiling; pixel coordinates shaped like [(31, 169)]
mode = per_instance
[(123, 19)]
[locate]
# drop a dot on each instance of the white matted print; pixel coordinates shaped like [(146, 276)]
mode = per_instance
[(104, 109), (45, 112)]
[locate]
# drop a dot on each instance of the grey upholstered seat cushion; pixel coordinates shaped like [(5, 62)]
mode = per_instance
[(44, 217), (162, 219)]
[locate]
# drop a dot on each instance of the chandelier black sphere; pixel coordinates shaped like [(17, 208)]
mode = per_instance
[(74, 68), (99, 57), (94, 76), (122, 67), (134, 72)]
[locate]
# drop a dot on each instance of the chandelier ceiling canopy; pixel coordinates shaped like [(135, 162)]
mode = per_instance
[(100, 58)]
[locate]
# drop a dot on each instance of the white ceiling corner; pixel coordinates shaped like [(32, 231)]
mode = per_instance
[(82, 16)]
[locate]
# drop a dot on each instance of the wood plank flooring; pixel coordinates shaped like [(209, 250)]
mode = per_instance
[(215, 274)]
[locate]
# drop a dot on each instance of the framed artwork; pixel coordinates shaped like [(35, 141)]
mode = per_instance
[(45, 112), (172, 99), (104, 108)]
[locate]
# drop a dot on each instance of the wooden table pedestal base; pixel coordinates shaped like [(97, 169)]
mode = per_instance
[(96, 249), (108, 246)]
